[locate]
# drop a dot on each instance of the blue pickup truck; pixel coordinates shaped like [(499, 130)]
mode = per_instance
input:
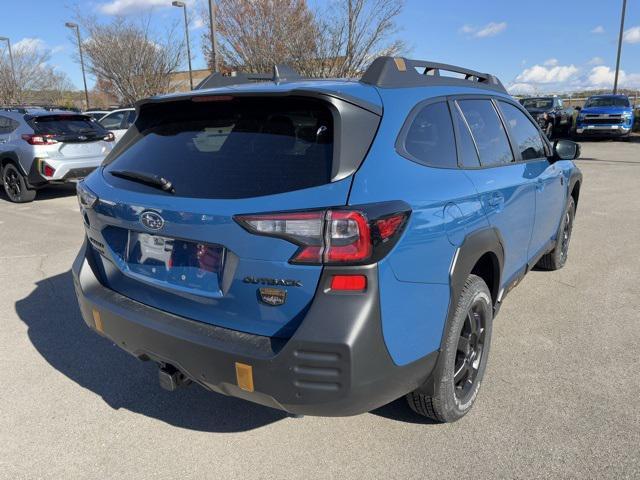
[(605, 116)]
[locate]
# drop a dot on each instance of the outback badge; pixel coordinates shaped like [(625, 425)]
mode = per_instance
[(273, 296)]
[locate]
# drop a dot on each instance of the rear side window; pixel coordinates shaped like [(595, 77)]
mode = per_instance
[(113, 121), (467, 153), (525, 134), (7, 125), (67, 127), (488, 132), (430, 138), (237, 148)]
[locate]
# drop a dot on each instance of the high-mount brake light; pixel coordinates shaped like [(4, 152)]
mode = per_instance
[(212, 98), (36, 139), (336, 236)]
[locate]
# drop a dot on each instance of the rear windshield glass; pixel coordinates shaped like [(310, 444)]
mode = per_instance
[(537, 103), (68, 126), (607, 102), (234, 148)]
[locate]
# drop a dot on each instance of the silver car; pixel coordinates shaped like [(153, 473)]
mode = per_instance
[(39, 147)]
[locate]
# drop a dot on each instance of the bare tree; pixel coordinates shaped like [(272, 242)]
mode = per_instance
[(355, 32), (129, 58), (338, 41), (33, 76)]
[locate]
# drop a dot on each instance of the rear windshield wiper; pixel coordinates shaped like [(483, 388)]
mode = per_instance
[(152, 180)]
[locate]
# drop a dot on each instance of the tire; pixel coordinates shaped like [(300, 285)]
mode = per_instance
[(463, 357), (15, 185), (556, 258)]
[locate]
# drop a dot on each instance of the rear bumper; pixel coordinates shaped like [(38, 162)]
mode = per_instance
[(335, 364), (65, 171)]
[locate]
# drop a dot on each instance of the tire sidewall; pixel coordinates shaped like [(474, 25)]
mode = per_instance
[(26, 195), (452, 407), (571, 210)]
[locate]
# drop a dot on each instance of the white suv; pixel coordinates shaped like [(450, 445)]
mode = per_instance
[(40, 147)]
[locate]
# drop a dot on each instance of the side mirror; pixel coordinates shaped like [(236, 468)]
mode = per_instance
[(565, 150)]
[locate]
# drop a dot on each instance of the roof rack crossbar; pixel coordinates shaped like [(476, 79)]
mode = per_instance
[(403, 72)]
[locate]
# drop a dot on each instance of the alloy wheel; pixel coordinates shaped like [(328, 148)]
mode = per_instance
[(469, 351)]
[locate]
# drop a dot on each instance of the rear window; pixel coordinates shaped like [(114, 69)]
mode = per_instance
[(237, 148), (68, 127)]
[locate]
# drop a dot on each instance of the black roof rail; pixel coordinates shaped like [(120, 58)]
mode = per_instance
[(281, 73), (403, 72)]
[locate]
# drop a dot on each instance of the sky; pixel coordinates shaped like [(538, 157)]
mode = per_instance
[(533, 47)]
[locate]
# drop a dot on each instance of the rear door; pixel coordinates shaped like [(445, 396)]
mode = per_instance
[(506, 190), (180, 249), (550, 188)]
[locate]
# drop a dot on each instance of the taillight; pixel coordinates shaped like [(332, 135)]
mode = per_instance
[(39, 139), (109, 137), (337, 236)]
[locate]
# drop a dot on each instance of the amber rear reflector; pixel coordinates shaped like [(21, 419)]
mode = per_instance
[(400, 64), (98, 320), (244, 376)]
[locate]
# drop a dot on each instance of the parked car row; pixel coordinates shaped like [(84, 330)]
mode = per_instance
[(603, 116)]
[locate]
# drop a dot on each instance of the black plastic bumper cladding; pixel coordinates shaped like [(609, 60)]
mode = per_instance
[(335, 364)]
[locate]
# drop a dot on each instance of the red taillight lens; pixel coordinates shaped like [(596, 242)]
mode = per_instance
[(332, 236), (353, 283), (34, 139), (109, 137), (348, 237), (388, 226)]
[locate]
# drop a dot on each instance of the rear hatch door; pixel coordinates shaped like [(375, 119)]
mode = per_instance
[(179, 249)]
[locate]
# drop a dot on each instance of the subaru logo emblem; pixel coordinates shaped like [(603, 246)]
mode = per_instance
[(151, 220)]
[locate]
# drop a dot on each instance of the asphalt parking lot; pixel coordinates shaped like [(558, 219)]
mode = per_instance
[(561, 397)]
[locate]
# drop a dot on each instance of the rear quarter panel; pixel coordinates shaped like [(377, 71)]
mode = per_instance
[(414, 277)]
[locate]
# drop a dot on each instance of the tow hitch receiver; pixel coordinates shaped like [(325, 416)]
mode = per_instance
[(171, 378)]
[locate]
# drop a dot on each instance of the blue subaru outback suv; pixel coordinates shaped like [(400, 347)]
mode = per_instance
[(324, 247)]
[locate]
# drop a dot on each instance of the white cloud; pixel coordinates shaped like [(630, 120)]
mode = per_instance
[(491, 29), (598, 29), (603, 77), (596, 61), (632, 35), (197, 24), (126, 7), (552, 62), (30, 43), (541, 74), (522, 89)]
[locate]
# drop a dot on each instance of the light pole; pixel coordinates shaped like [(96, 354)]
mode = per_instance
[(186, 34), (84, 77), (212, 26), (615, 82), (13, 70)]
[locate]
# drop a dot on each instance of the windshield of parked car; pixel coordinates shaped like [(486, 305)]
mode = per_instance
[(537, 103), (607, 102)]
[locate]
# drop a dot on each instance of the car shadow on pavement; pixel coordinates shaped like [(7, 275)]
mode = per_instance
[(48, 193), (59, 334)]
